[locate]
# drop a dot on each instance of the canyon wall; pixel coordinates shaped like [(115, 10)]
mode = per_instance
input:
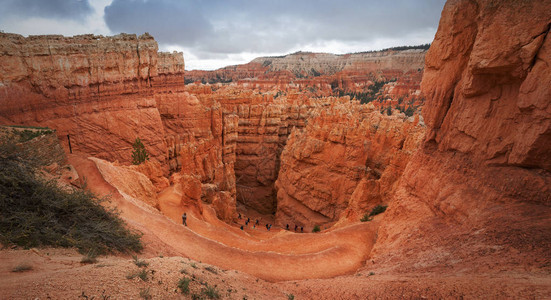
[(94, 89), (389, 78), (478, 192), (104, 92), (346, 160)]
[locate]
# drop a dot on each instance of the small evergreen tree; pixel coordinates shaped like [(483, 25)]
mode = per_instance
[(139, 155)]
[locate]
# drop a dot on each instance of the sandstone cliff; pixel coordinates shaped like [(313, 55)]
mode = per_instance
[(478, 192), (103, 92), (347, 160), (95, 89)]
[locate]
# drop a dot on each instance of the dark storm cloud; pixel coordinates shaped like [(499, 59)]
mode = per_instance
[(222, 26), (175, 22), (60, 9)]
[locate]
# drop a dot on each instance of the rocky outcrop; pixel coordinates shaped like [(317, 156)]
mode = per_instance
[(478, 191), (94, 89), (347, 159), (104, 92)]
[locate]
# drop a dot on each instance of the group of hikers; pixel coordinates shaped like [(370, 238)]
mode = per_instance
[(268, 225), (256, 223)]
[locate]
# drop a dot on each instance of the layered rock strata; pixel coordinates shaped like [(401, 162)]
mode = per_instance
[(346, 160), (478, 192), (102, 93), (95, 89)]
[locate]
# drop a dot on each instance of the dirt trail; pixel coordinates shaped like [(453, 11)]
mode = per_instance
[(284, 256)]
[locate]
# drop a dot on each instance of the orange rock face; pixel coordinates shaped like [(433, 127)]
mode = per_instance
[(95, 89), (347, 159), (478, 191), (105, 91)]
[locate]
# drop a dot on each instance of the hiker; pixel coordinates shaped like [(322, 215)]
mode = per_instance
[(184, 219), (301, 229), (239, 216), (257, 223), (296, 227), (241, 227), (248, 220), (287, 227), (267, 226)]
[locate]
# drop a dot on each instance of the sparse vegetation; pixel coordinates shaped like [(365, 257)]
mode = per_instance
[(142, 274), (290, 297), (375, 211), (22, 267), (145, 294), (140, 263), (139, 154), (316, 229), (89, 258), (27, 135), (195, 296), (378, 210), (193, 265), (210, 291), (35, 212), (183, 285), (211, 269)]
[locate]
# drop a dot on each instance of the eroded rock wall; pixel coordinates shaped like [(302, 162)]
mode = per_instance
[(104, 92), (478, 192), (345, 161), (95, 89)]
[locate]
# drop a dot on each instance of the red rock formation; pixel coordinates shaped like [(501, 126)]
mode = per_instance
[(348, 158), (105, 91), (476, 197), (323, 74), (95, 89)]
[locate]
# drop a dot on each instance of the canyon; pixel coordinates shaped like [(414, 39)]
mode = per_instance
[(309, 140)]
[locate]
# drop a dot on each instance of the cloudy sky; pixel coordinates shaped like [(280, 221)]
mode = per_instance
[(216, 33)]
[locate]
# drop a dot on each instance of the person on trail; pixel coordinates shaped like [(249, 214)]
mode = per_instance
[(267, 226), (239, 216), (241, 227), (301, 229), (287, 227), (184, 219), (296, 227), (257, 223)]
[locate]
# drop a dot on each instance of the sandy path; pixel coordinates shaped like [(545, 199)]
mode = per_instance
[(285, 256)]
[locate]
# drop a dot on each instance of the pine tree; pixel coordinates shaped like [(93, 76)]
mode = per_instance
[(139, 155)]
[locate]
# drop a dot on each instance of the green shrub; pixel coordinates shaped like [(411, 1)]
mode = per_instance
[(183, 285), (316, 229), (35, 212), (139, 155), (290, 296), (377, 210)]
